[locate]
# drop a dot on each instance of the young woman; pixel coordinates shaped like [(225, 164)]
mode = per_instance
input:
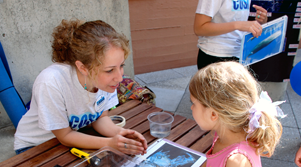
[(78, 89), (220, 25)]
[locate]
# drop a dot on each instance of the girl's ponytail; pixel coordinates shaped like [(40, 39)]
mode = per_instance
[(264, 128)]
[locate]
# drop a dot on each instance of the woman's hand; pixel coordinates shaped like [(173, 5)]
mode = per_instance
[(129, 142), (137, 137), (261, 14), (250, 26)]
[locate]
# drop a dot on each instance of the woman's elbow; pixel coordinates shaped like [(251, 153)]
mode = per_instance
[(195, 31), (67, 144), (198, 31)]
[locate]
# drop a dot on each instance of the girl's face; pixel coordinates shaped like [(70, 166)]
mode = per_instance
[(204, 116), (110, 71)]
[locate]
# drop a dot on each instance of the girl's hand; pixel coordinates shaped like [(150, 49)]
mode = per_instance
[(261, 14), (132, 145)]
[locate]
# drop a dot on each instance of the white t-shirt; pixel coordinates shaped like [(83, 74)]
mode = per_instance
[(223, 11), (59, 101)]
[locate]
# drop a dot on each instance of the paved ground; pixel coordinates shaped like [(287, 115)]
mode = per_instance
[(171, 85)]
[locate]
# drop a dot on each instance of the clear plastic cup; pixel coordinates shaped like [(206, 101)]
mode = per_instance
[(160, 124)]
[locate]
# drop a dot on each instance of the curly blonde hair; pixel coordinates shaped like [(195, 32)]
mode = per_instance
[(85, 41), (231, 90)]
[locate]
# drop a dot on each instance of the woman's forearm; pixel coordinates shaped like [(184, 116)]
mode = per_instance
[(72, 138), (214, 29), (105, 126), (203, 26)]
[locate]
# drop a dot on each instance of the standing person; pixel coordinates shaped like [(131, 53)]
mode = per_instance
[(220, 25), (78, 89), (298, 158), (225, 99)]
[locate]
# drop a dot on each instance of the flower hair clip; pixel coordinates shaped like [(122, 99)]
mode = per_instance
[(264, 104)]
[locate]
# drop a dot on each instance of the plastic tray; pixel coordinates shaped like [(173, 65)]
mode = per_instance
[(107, 157)]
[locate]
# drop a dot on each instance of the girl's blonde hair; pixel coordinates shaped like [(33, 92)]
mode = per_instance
[(85, 41), (230, 89)]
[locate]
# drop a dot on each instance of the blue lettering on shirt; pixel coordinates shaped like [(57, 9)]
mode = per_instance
[(84, 121), (112, 96), (78, 121), (99, 103), (239, 5)]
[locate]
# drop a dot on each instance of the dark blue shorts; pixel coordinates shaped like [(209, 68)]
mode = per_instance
[(22, 150)]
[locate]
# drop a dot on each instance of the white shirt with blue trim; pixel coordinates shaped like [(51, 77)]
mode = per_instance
[(59, 101)]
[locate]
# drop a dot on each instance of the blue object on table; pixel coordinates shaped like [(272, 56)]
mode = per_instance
[(9, 97), (295, 78)]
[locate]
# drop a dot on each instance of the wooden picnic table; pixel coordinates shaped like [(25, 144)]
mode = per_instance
[(184, 131)]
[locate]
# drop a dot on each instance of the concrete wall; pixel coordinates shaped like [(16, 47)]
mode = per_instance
[(25, 33)]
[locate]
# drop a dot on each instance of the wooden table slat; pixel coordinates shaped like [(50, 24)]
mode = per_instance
[(63, 160), (142, 128), (180, 130), (191, 137), (75, 163), (25, 156), (178, 119), (204, 143), (46, 156), (124, 107), (134, 111), (140, 118)]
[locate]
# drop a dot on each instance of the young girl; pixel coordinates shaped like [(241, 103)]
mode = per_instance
[(78, 89), (227, 100)]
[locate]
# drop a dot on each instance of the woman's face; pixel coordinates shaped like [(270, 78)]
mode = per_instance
[(110, 71)]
